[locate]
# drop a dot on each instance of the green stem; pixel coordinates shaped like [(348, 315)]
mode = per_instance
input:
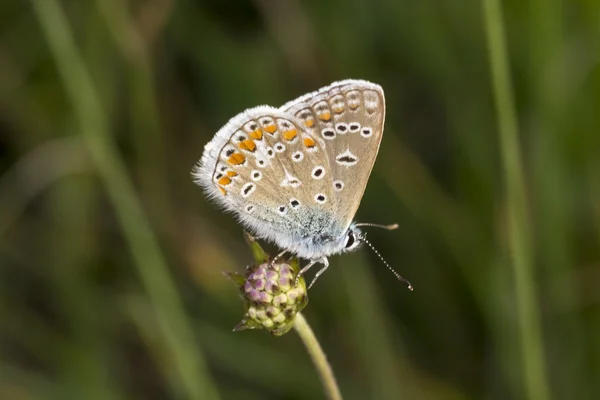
[(185, 356), (519, 230), (318, 357)]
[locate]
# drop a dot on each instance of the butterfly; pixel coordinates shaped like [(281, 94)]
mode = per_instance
[(295, 175)]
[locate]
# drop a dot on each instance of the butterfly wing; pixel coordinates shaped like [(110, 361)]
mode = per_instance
[(268, 170), (348, 116)]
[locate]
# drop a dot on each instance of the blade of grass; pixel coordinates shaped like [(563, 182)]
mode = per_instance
[(519, 230), (149, 144), (175, 329)]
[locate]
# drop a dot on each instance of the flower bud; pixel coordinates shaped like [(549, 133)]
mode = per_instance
[(270, 291)]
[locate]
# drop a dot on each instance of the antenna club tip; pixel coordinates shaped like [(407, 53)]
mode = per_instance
[(410, 287), (392, 227)]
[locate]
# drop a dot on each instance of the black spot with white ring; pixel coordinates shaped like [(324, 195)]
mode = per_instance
[(282, 210), (338, 186), (354, 127), (318, 172), (328, 133), (366, 132), (297, 156), (248, 189), (294, 203), (256, 175), (320, 198), (341, 128), (280, 148), (346, 159)]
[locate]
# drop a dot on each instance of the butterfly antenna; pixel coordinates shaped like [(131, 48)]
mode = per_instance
[(387, 227), (400, 278)]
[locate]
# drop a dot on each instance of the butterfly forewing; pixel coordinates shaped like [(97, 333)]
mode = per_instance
[(347, 117)]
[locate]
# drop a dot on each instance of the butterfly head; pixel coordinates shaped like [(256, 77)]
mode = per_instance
[(325, 245)]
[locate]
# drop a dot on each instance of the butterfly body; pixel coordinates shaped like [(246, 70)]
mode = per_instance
[(295, 175)]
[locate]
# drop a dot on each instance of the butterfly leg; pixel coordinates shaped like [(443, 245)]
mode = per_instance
[(325, 263), (277, 257), (304, 269), (323, 260)]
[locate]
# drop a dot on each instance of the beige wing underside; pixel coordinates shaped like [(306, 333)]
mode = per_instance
[(349, 117), (297, 172)]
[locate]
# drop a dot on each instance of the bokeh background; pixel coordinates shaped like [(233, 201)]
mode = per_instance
[(111, 258)]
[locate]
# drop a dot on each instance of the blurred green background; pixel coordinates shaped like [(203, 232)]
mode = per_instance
[(111, 258)]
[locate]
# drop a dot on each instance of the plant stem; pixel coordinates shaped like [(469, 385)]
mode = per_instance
[(519, 230), (318, 356), (184, 355)]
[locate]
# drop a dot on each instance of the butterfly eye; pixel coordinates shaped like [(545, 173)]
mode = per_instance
[(350, 240)]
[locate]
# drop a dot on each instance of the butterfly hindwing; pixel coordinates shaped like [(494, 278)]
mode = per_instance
[(267, 169)]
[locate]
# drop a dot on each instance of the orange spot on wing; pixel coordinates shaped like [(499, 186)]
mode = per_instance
[(270, 128), (326, 116), (338, 109), (309, 142), (256, 134), (224, 181), (290, 135), (309, 123), (232, 174), (223, 191), (236, 159), (248, 144)]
